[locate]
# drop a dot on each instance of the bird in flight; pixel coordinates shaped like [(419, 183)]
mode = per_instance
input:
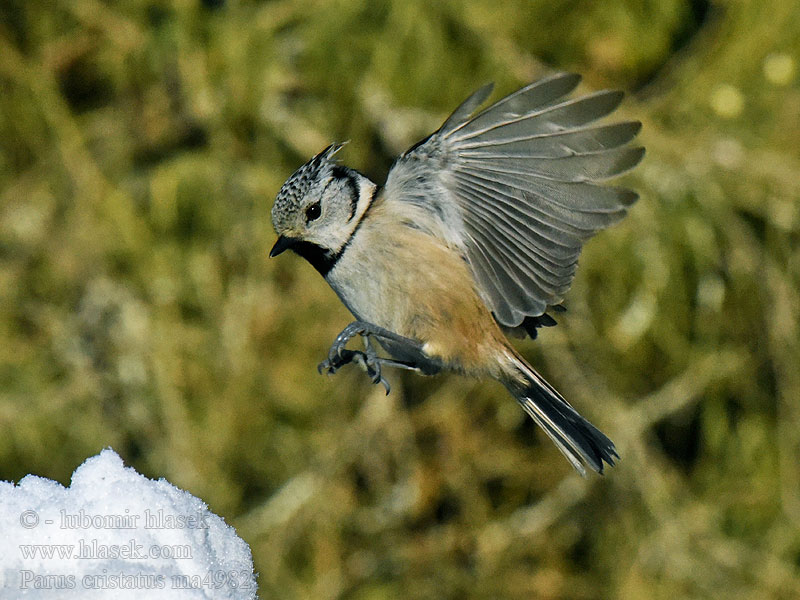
[(475, 234)]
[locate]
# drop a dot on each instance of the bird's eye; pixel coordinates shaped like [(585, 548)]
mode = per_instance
[(313, 212)]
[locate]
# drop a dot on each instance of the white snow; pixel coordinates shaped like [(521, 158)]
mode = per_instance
[(116, 534)]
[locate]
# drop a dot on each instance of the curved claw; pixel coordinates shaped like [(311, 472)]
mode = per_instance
[(373, 364), (326, 366), (338, 360), (337, 349), (339, 355), (368, 360), (385, 384), (373, 367)]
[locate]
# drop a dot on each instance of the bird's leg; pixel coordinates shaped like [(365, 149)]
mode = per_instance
[(339, 356), (371, 362), (337, 350)]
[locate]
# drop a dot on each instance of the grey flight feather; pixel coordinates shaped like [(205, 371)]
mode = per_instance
[(515, 187)]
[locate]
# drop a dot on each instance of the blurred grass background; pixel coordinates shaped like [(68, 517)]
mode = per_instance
[(141, 146)]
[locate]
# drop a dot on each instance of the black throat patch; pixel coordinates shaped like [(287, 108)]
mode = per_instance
[(324, 259), (320, 258)]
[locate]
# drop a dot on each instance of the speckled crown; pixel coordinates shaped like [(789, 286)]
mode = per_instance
[(298, 185)]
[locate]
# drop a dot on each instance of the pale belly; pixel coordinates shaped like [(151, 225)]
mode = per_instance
[(419, 289), (382, 290)]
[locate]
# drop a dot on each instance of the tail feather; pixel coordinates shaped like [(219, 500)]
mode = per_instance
[(580, 441)]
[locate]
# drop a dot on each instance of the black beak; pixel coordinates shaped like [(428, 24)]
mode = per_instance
[(282, 243)]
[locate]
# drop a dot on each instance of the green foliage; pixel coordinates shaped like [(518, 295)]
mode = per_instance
[(141, 145)]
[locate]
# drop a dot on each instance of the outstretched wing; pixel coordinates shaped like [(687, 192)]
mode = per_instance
[(516, 187)]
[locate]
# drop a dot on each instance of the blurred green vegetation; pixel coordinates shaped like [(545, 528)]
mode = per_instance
[(141, 146)]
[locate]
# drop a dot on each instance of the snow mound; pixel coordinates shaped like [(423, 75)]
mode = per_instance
[(116, 534)]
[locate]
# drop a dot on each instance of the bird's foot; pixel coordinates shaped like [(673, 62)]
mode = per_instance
[(339, 355), (338, 351), (367, 359)]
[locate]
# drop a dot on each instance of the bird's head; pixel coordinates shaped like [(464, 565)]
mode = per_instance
[(319, 207)]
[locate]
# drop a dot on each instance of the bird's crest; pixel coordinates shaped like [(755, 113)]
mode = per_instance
[(298, 185)]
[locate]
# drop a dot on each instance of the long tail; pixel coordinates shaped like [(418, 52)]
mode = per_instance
[(580, 441)]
